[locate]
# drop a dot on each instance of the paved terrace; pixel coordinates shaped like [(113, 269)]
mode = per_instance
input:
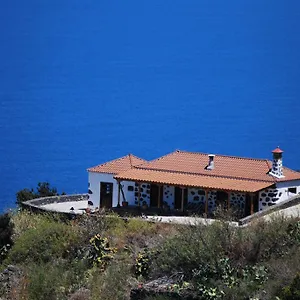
[(75, 204)]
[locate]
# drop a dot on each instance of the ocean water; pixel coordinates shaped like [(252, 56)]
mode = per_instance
[(83, 82)]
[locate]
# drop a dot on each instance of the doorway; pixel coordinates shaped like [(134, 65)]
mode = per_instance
[(178, 197), (155, 192), (222, 199), (106, 194)]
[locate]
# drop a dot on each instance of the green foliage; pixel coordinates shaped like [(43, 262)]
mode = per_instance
[(213, 280), (100, 253), (292, 291), (43, 190), (112, 283), (192, 246), (47, 241), (294, 231), (143, 262), (6, 231), (25, 195), (215, 261), (54, 280)]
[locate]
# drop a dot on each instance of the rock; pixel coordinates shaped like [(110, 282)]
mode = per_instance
[(10, 280), (161, 286), (81, 294)]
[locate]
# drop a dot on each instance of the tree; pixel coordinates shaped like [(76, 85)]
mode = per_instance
[(43, 190)]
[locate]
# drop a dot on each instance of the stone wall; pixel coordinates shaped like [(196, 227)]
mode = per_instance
[(212, 197), (277, 168), (238, 200), (196, 195), (144, 193), (268, 197), (56, 199), (168, 195)]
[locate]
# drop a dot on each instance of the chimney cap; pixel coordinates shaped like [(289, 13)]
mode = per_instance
[(277, 150), (211, 155)]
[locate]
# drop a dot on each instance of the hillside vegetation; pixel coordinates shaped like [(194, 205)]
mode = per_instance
[(106, 257)]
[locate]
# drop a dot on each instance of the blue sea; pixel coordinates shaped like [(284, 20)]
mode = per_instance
[(84, 82)]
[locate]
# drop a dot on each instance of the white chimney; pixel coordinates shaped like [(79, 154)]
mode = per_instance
[(211, 162), (277, 169)]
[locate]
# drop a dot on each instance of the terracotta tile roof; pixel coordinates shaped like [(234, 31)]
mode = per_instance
[(118, 165), (189, 169), (228, 166), (192, 180), (277, 150)]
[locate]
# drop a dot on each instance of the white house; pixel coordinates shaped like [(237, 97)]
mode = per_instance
[(182, 179), (104, 188)]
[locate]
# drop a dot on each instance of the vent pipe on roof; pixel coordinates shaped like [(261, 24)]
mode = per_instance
[(211, 162)]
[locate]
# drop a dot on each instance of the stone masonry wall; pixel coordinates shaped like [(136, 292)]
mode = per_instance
[(168, 195), (144, 193), (56, 199), (268, 197), (196, 195), (238, 200)]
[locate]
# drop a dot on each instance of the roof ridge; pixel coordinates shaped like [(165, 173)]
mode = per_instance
[(116, 159), (159, 158), (204, 174), (224, 155)]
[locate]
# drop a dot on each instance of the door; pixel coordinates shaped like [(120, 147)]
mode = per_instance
[(155, 193), (248, 204), (222, 199), (106, 194), (178, 197)]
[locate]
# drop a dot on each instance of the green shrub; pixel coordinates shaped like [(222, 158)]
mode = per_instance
[(192, 246), (47, 241), (6, 231), (143, 262), (54, 280), (100, 253), (292, 291), (214, 281), (115, 283)]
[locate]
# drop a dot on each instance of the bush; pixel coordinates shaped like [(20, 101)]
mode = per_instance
[(43, 243), (292, 291), (6, 231), (100, 253), (192, 246), (54, 280), (115, 283)]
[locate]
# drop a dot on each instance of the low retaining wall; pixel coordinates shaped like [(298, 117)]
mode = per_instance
[(282, 205), (38, 202)]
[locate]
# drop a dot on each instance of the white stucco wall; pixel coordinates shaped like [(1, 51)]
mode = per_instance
[(94, 185), (283, 188), (272, 196)]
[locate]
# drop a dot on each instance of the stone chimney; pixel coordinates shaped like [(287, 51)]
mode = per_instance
[(211, 162), (277, 169)]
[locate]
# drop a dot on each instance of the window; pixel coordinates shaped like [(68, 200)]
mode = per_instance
[(292, 190), (130, 188)]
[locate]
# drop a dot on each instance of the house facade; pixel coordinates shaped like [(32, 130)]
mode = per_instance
[(182, 180)]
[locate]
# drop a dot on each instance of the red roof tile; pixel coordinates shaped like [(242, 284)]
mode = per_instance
[(118, 165), (189, 169), (192, 180), (277, 150), (224, 166)]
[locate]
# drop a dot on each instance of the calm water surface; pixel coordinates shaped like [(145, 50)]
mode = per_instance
[(83, 82)]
